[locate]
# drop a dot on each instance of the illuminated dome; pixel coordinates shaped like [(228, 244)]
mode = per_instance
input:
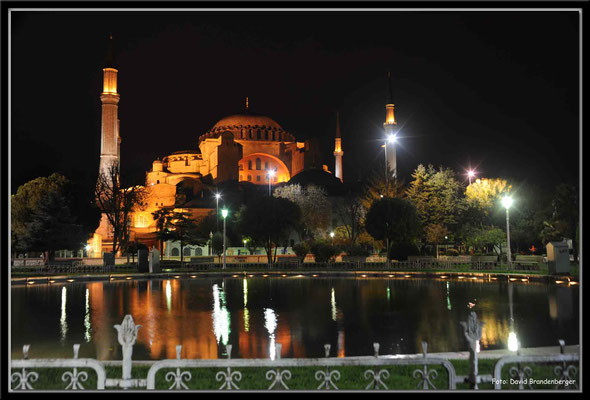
[(249, 126)]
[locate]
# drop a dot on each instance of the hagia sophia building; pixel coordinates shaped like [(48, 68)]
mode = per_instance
[(239, 149)]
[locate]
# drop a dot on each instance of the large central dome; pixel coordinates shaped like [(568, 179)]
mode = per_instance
[(249, 126), (244, 120)]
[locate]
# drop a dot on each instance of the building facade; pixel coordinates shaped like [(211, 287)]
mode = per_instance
[(246, 147)]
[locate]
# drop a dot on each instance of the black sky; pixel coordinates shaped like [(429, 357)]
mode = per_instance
[(497, 89)]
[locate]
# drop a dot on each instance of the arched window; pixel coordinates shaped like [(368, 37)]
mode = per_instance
[(187, 251), (258, 164), (175, 252), (257, 178), (265, 135), (250, 167), (258, 134), (266, 165), (249, 178), (198, 251)]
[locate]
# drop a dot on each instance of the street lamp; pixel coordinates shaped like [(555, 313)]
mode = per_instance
[(332, 235), (507, 202), (470, 174), (224, 215), (271, 173), (217, 197)]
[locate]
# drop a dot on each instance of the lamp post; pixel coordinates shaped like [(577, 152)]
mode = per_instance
[(217, 197), (224, 214), (507, 202), (271, 173), (244, 241)]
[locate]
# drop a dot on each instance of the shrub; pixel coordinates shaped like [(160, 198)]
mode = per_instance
[(401, 251), (301, 250), (357, 251), (452, 252), (323, 251)]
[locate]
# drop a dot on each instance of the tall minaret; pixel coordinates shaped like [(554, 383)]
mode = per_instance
[(338, 153), (390, 130), (110, 139)]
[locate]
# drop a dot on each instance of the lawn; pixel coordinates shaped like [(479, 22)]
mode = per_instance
[(303, 378)]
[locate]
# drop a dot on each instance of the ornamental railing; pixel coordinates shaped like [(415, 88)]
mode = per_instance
[(278, 371)]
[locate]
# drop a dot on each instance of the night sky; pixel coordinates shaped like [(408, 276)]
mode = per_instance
[(495, 90)]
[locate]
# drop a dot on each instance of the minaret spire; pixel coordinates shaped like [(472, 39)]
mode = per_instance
[(338, 153), (390, 130), (110, 139)]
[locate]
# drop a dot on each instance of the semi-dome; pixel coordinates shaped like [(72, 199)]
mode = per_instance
[(249, 126)]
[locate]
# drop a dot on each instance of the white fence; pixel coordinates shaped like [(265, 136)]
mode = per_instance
[(278, 370)]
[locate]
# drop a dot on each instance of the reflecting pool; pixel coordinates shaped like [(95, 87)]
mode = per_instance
[(301, 313)]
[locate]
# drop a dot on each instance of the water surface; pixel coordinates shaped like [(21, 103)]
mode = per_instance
[(301, 313)]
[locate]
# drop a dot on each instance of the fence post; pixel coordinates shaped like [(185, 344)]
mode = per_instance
[(472, 332), (127, 334)]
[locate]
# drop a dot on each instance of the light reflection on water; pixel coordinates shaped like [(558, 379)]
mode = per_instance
[(302, 314)]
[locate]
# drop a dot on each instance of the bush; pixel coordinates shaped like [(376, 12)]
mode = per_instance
[(401, 251), (356, 251), (323, 251), (301, 250), (452, 252)]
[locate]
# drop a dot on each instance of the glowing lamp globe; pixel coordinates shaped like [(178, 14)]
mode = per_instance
[(512, 341), (471, 173), (224, 212), (271, 172), (217, 196), (507, 201), (391, 138)]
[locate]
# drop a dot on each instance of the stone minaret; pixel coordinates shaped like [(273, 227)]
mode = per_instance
[(338, 153), (390, 129), (110, 139)]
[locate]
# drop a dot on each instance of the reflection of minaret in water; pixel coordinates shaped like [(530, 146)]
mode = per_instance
[(110, 142), (338, 153), (390, 129)]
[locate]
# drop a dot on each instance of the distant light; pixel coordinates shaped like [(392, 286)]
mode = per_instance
[(331, 234), (217, 196), (507, 201), (471, 173), (224, 212), (271, 172), (512, 341)]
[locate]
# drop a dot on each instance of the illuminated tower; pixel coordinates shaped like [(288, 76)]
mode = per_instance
[(390, 130), (110, 140), (338, 153)]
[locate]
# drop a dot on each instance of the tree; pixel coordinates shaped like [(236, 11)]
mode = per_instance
[(437, 196), (314, 205), (51, 227), (393, 220), (118, 203), (41, 217), (217, 244), (351, 212), (436, 233), (484, 193), (180, 227), (161, 216), (484, 238), (564, 215), (379, 186), (269, 220)]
